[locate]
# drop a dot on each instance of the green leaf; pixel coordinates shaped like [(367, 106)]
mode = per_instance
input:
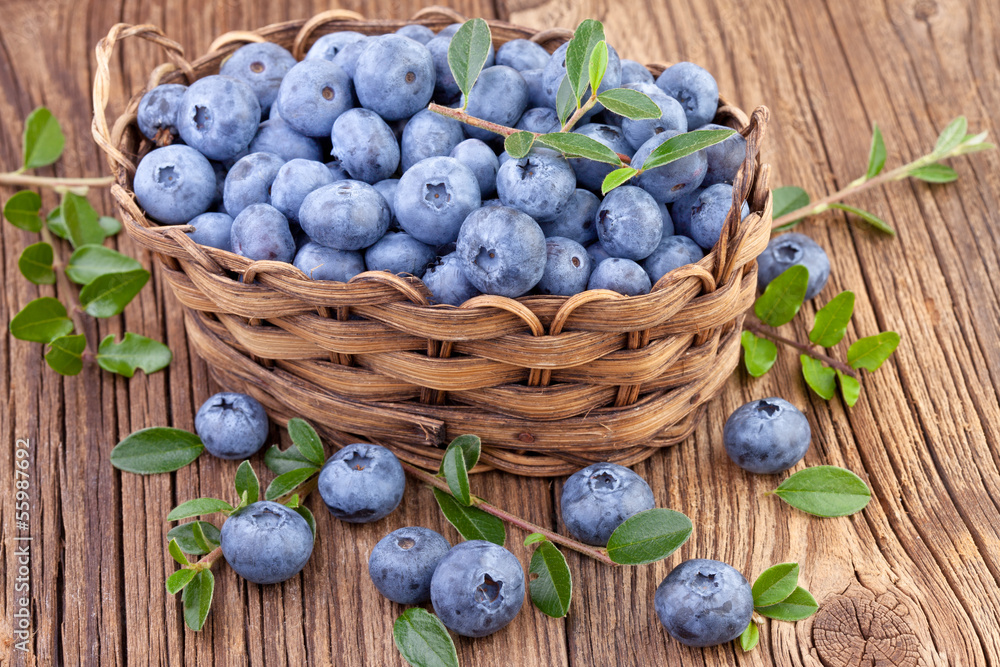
[(290, 459), (35, 264), (935, 173), (775, 584), (787, 199), (110, 226), (197, 599), (41, 321), (43, 139), (822, 379), (246, 481), (467, 54), (206, 539), (783, 296), (534, 538), (293, 501), (308, 516), (453, 465), (179, 579), (81, 221), (630, 103), (175, 552), (65, 355), (871, 352), (288, 482), (54, 221), (750, 637), (519, 144), (850, 389), (649, 536), (470, 446), (973, 143), (422, 639), (759, 354), (573, 145), (876, 155), (798, 606), (870, 218), (683, 145), (825, 491), (471, 523), (586, 37), (832, 320), (89, 262), (155, 450), (21, 210), (616, 178), (198, 507), (552, 589), (951, 136), (305, 438), (565, 102), (598, 64), (133, 352), (108, 295)]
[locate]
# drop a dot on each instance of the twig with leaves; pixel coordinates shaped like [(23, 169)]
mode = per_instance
[(109, 280)]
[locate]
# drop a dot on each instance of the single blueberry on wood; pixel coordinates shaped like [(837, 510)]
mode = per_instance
[(362, 483), (477, 588), (266, 542), (599, 498), (767, 436), (403, 562), (704, 603), (231, 425)]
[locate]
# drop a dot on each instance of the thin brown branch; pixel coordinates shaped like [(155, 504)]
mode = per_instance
[(766, 332)]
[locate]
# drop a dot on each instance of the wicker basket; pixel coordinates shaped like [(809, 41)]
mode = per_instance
[(549, 383)]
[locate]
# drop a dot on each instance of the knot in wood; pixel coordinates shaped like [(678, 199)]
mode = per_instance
[(526, 437), (858, 632)]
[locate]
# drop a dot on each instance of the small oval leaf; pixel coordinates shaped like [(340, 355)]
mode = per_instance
[(65, 355), (573, 145), (41, 321), (134, 352), (683, 145), (35, 264), (471, 447), (798, 606), (788, 199), (304, 437), (43, 139), (565, 102), (246, 481), (467, 54), (598, 64), (825, 491), (876, 155), (616, 178), (519, 144), (197, 599), (81, 221), (850, 389), (155, 450), (89, 262), (288, 482), (783, 296), (775, 584), (280, 462), (832, 320), (552, 589), (453, 467), (649, 536), (871, 352), (179, 579), (750, 637), (198, 507), (872, 219), (471, 523), (108, 294), (585, 38), (21, 210), (175, 552), (820, 378), (422, 639), (759, 354), (952, 135), (184, 535), (630, 103), (308, 516)]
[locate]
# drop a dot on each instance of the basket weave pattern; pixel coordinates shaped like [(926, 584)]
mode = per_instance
[(549, 383)]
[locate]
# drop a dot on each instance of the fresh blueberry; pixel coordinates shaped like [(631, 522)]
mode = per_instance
[(387, 188), (322, 263), (567, 267), (231, 425), (158, 109), (575, 219), (522, 54), (724, 158), (365, 145), (500, 95), (694, 88), (635, 72), (174, 184), (212, 229), (477, 588), (218, 116), (445, 88), (394, 76), (400, 253), (620, 275), (313, 95), (673, 252), (417, 32), (590, 173), (275, 136), (266, 542), (788, 250), (502, 251), (599, 498), (402, 563), (706, 215), (668, 222), (261, 232), (296, 179), (539, 184), (481, 159), (672, 117), (429, 134), (249, 181), (328, 46), (597, 254), (704, 602), (433, 198), (535, 78), (766, 436), (262, 66), (542, 120), (447, 282), (347, 58), (362, 483), (629, 223), (347, 215), (673, 180)]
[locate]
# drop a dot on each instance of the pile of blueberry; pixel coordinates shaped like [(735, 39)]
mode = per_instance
[(336, 165)]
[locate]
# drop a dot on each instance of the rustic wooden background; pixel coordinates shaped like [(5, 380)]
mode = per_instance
[(911, 580)]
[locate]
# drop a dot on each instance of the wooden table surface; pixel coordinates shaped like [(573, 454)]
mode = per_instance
[(911, 580)]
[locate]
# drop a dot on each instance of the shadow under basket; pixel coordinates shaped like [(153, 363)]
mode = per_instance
[(549, 383)]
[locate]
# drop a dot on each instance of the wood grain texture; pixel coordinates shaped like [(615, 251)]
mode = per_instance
[(925, 555)]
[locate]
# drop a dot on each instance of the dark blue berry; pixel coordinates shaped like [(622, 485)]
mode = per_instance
[(365, 146), (766, 436), (599, 498), (362, 483), (694, 88), (231, 425), (792, 249), (261, 232), (174, 184), (704, 603), (322, 263), (262, 66), (477, 588), (158, 109), (402, 563), (620, 275), (347, 215), (502, 251), (266, 542), (218, 116)]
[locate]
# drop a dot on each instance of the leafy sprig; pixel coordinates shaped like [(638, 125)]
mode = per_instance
[(108, 279), (777, 595)]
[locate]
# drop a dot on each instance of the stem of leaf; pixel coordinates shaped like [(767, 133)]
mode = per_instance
[(463, 117), (766, 332), (207, 561), (593, 552), (19, 178), (579, 113)]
